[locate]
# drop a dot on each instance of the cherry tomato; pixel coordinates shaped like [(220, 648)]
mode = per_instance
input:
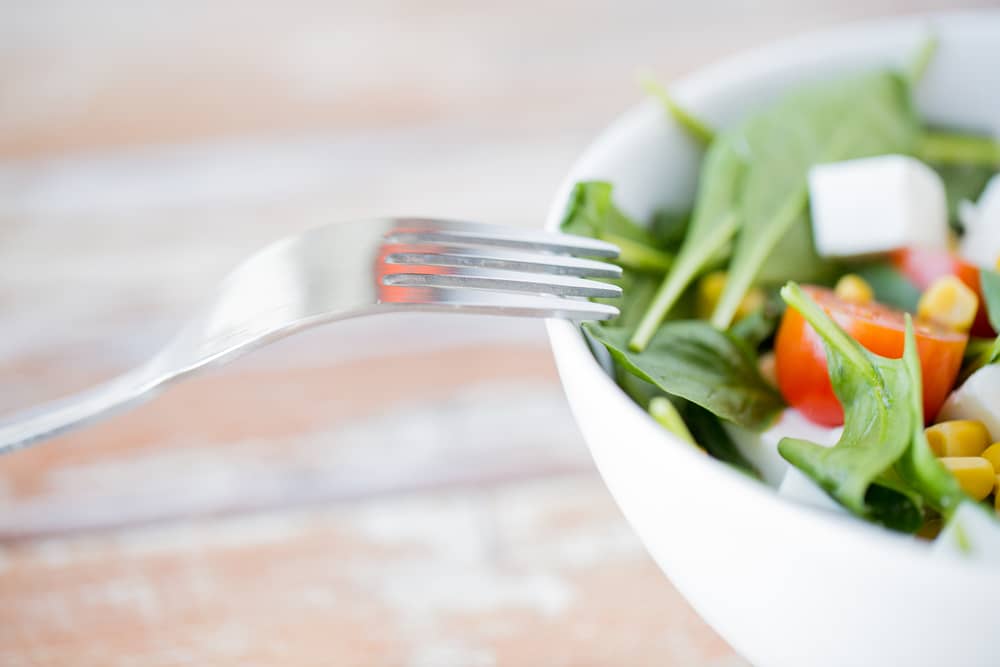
[(925, 265), (800, 359)]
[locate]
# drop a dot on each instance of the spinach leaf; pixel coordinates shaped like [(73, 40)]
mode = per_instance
[(591, 212), (918, 466), (713, 224), (695, 127), (962, 182), (878, 398), (980, 352), (712, 436), (637, 291), (890, 286), (693, 360), (759, 325), (944, 147), (754, 180), (989, 282), (670, 227), (859, 117)]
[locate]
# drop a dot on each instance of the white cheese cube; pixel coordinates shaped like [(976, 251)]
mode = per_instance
[(981, 243), (796, 486), (876, 204), (978, 398), (761, 449), (971, 533)]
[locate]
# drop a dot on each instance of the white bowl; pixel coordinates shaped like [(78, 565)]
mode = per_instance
[(786, 585)]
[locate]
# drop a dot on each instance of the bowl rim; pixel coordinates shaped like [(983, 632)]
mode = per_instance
[(567, 342)]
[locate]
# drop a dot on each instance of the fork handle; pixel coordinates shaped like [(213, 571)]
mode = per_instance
[(50, 419)]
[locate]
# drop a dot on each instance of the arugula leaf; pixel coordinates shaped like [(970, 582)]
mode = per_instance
[(709, 432), (591, 212), (890, 286), (877, 395), (693, 360), (859, 117)]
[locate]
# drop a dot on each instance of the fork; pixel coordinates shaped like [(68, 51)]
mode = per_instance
[(339, 271)]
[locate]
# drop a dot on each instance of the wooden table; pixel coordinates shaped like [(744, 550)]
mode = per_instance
[(410, 491)]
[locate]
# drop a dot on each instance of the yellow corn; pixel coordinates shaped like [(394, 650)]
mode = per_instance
[(996, 495), (961, 437), (992, 454), (949, 303), (710, 288), (854, 288), (974, 474)]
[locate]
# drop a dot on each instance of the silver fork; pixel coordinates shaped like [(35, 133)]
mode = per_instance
[(348, 270)]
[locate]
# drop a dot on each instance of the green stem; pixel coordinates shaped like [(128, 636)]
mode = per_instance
[(666, 415), (638, 256), (918, 66), (952, 148), (685, 270), (746, 266), (695, 127)]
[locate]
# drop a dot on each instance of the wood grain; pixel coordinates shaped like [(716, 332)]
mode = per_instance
[(411, 491)]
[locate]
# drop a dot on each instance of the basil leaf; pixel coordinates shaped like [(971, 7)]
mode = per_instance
[(889, 285), (693, 360), (877, 396)]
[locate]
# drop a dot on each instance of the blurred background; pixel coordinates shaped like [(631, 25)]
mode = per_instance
[(406, 491)]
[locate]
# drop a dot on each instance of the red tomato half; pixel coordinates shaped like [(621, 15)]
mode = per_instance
[(800, 359), (925, 265)]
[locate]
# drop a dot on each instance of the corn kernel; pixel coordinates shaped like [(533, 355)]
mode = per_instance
[(996, 495), (960, 437), (710, 288), (992, 454), (974, 474), (854, 288), (949, 303)]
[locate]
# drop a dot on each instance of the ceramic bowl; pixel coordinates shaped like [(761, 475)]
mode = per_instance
[(786, 585)]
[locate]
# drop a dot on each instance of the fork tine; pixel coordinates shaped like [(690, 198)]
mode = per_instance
[(419, 230), (498, 258), (491, 302), (496, 279)]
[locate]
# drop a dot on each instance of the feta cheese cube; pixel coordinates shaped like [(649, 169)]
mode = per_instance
[(981, 243), (978, 398), (761, 449), (971, 533), (877, 204)]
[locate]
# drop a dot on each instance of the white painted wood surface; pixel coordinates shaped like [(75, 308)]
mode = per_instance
[(410, 491)]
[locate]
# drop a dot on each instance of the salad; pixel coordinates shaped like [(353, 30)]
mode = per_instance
[(825, 316)]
